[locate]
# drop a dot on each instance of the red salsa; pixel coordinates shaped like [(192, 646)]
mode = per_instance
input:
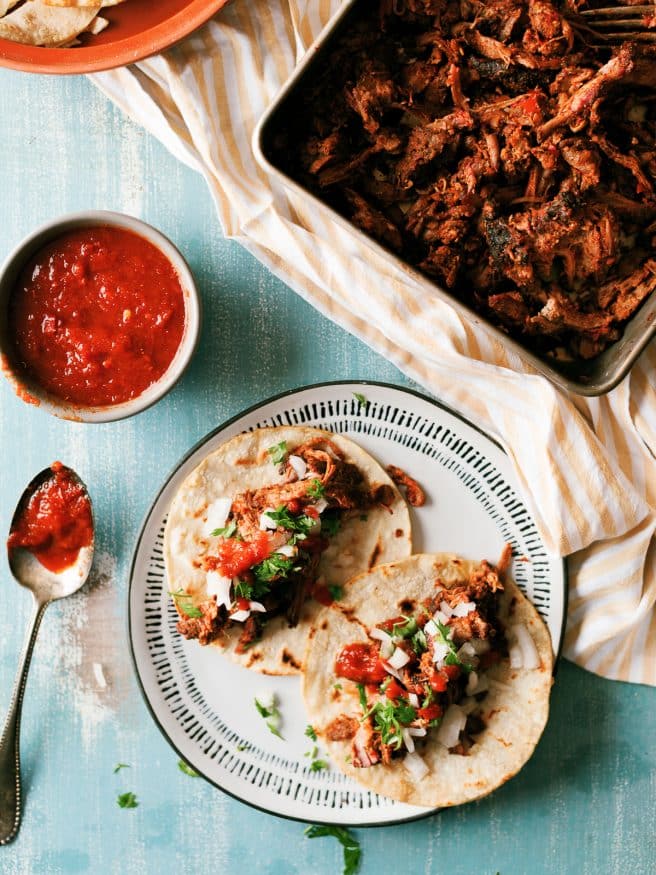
[(360, 662), (96, 316), (56, 523), (234, 557)]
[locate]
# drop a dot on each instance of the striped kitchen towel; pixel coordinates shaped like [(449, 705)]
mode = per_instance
[(587, 466)]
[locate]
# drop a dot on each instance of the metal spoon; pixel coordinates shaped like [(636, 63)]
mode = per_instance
[(46, 587)]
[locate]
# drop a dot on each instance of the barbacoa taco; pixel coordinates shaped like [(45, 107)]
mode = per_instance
[(268, 528), (430, 682)]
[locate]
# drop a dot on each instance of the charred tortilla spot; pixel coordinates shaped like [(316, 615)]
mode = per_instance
[(373, 559), (407, 605), (398, 533), (254, 657), (324, 625), (243, 461), (290, 660)]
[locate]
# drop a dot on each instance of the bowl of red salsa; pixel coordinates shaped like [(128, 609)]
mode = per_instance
[(99, 316)]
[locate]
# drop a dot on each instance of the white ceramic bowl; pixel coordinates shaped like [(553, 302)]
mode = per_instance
[(31, 391)]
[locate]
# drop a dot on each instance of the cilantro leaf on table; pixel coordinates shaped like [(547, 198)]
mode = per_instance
[(278, 452), (361, 399), (352, 850), (309, 731), (318, 765), (127, 800), (184, 601), (119, 766), (182, 765)]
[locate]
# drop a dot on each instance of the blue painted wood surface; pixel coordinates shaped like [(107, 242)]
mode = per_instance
[(586, 802)]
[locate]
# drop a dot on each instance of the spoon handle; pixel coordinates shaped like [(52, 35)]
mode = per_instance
[(10, 782)]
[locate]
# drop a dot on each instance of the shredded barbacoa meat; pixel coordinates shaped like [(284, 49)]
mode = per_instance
[(340, 484), (435, 684), (490, 146)]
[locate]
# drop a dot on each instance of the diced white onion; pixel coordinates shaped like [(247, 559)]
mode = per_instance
[(266, 522), (431, 629), (440, 652), (387, 645), (472, 683), (463, 608), (407, 740), (480, 645), (290, 550), (439, 617), (240, 616), (399, 658), (452, 724), (390, 670), (446, 608), (466, 653), (99, 675), (468, 705), (266, 698), (217, 514), (218, 585), (413, 698), (321, 505), (530, 656), (299, 465), (417, 731), (257, 606), (516, 657), (416, 766)]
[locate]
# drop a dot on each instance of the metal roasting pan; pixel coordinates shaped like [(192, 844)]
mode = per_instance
[(594, 377)]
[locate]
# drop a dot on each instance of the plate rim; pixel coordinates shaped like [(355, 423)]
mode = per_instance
[(431, 812), (107, 56)]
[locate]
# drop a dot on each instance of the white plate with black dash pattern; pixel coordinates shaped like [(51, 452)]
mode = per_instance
[(203, 703)]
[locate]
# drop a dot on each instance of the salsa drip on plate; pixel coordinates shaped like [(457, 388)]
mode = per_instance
[(425, 672), (265, 559)]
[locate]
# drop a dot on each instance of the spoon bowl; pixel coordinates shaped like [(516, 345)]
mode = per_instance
[(46, 586), (28, 571)]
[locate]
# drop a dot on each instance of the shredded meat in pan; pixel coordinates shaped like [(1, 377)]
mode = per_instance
[(488, 145)]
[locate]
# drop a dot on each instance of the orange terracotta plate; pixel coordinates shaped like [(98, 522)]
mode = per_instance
[(137, 29)]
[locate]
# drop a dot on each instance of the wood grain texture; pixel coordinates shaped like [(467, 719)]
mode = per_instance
[(584, 804)]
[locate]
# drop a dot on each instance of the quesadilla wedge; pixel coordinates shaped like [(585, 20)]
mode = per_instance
[(267, 529), (429, 683)]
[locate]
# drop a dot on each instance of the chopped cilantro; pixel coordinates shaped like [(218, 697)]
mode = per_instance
[(363, 698), (452, 656), (300, 524), (312, 753), (390, 717), (337, 686), (406, 629), (273, 568), (336, 592), (352, 851), (309, 731), (244, 746), (227, 531), (278, 452), (182, 765), (419, 643), (184, 601), (119, 766), (318, 765), (316, 489), (330, 523), (127, 800), (271, 715), (243, 589), (360, 398)]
